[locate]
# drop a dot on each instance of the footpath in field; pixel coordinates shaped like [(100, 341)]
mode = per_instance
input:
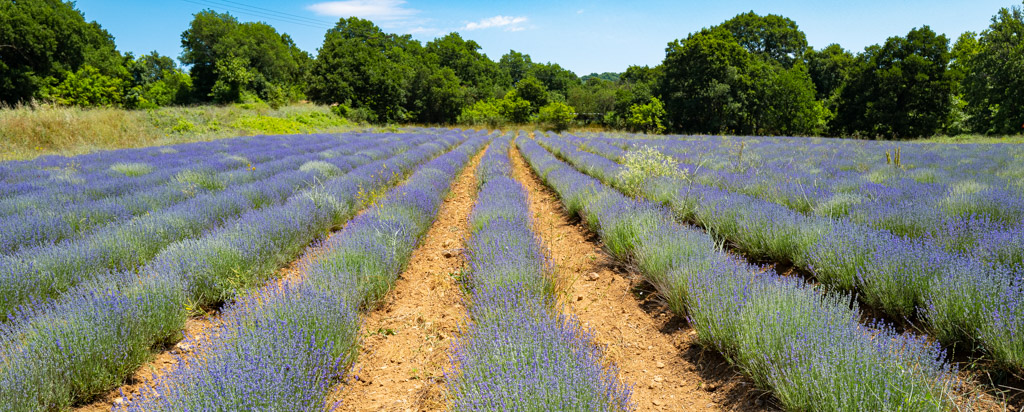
[(656, 352), (406, 340)]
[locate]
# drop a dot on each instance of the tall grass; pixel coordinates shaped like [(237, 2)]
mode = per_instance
[(30, 131)]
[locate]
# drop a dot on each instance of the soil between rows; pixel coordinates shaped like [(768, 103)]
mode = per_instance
[(405, 341), (656, 352)]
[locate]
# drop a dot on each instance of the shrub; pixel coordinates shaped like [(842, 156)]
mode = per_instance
[(483, 112), (643, 164), (647, 117), (557, 116), (514, 108), (86, 87)]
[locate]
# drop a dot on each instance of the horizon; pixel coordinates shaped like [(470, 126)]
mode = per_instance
[(584, 34)]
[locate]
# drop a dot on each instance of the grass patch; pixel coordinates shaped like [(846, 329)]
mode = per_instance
[(27, 132), (132, 169)]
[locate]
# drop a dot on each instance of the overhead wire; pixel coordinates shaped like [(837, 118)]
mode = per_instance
[(243, 9)]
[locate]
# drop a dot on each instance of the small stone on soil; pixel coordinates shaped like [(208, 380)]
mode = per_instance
[(592, 276)]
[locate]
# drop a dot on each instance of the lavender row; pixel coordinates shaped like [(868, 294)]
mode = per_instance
[(46, 271), (962, 298), (971, 202), (70, 350), (56, 223), (807, 347), (520, 353), (283, 350), (127, 178), (42, 173), (76, 182)]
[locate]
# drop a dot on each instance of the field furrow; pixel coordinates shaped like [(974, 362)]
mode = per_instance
[(655, 350), (306, 332), (961, 298), (785, 335), (151, 307), (405, 339)]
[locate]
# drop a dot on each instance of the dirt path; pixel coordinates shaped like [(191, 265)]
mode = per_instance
[(656, 352), (405, 346)]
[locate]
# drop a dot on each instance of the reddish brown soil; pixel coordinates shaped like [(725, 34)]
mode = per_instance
[(197, 331), (655, 351), (405, 342)]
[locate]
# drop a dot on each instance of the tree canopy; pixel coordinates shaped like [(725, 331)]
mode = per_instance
[(750, 74)]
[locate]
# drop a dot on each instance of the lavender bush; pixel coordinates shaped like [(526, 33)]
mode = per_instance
[(520, 354), (773, 328)]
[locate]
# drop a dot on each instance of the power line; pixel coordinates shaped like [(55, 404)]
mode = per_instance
[(310, 19), (305, 22)]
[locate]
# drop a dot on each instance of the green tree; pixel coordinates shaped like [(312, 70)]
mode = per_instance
[(607, 76), (647, 117), (437, 97), (554, 78), (479, 74), (516, 65), (514, 108), (773, 37), (900, 89), (44, 41), (705, 82), (829, 69), (782, 101), (994, 78), (218, 47), (533, 91), (593, 100), (556, 116), (964, 50), (361, 66)]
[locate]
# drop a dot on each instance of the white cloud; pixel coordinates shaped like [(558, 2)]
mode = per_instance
[(378, 10), (509, 23), (580, 11), (425, 30)]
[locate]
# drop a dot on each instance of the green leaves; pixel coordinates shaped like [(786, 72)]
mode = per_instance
[(557, 116), (231, 59), (994, 74), (647, 117), (900, 89)]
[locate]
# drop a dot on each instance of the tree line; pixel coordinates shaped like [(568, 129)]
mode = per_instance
[(751, 74)]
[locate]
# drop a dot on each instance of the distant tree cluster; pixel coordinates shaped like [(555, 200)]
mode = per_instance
[(751, 74), (756, 75)]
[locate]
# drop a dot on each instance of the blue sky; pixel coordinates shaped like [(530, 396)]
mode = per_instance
[(583, 36)]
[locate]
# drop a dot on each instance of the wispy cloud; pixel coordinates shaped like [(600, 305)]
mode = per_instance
[(377, 10), (425, 30), (580, 11), (508, 23)]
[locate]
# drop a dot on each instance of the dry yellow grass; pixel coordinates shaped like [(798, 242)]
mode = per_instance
[(30, 131)]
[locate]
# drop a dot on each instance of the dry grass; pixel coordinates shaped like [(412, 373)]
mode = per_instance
[(30, 131)]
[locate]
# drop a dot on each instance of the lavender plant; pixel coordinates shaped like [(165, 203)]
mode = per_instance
[(773, 328), (520, 353), (285, 348), (100, 347)]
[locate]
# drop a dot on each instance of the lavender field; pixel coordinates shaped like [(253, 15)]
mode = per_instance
[(428, 270)]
